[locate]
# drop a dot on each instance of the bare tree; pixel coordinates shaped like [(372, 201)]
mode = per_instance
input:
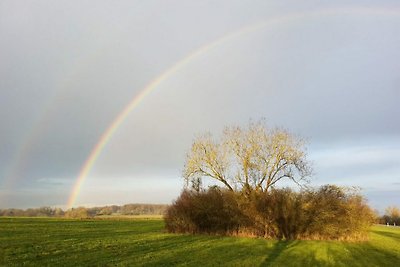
[(393, 212), (207, 158), (247, 159)]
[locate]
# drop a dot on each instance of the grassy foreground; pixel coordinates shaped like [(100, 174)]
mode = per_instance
[(60, 242)]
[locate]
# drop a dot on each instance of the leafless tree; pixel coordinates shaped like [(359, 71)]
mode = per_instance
[(392, 212), (247, 159)]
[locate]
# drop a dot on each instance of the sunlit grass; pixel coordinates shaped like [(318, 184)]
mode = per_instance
[(32, 241)]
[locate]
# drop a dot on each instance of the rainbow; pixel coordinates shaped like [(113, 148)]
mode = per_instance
[(276, 21)]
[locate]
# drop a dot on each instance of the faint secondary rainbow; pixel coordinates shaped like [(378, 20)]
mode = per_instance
[(20, 159), (280, 20)]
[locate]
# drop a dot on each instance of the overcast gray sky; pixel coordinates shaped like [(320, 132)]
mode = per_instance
[(326, 70)]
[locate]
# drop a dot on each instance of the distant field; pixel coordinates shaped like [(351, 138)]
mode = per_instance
[(55, 242)]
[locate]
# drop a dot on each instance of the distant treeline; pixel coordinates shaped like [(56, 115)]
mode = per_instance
[(82, 212), (391, 216)]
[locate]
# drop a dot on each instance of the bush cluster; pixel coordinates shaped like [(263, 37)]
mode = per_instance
[(391, 216), (328, 212)]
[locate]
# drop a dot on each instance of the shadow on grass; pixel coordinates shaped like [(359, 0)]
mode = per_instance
[(216, 251), (276, 251), (221, 251), (363, 255), (210, 251), (387, 234), (201, 250)]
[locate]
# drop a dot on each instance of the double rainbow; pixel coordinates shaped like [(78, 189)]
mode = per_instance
[(276, 21)]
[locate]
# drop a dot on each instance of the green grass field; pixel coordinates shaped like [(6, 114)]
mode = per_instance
[(59, 242)]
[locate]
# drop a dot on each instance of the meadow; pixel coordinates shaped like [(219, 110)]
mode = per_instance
[(143, 242)]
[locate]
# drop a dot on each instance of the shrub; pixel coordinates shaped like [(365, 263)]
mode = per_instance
[(77, 213), (333, 212), (212, 211), (329, 212)]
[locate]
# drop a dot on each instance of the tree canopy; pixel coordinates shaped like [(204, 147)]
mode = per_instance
[(247, 159), (247, 164)]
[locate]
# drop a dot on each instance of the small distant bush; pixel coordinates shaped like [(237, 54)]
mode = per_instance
[(391, 216), (77, 213), (329, 212)]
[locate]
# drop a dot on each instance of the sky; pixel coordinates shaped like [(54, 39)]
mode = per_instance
[(324, 70)]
